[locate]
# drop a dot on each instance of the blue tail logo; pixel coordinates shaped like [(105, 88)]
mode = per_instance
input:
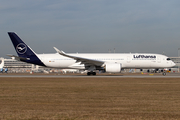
[(21, 48)]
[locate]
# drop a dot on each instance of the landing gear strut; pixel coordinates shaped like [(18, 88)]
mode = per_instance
[(91, 73), (164, 73)]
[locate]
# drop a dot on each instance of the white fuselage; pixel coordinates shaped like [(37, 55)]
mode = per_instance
[(132, 60), (1, 63)]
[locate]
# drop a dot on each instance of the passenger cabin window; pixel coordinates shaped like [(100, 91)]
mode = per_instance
[(168, 59)]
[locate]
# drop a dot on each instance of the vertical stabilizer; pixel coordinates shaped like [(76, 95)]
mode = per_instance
[(21, 48), (25, 53)]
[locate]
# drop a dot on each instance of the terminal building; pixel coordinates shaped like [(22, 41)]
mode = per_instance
[(176, 60), (10, 63), (18, 66)]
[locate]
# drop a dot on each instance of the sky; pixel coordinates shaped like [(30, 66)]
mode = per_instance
[(92, 26)]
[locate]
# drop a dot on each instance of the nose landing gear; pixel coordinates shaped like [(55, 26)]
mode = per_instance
[(164, 73)]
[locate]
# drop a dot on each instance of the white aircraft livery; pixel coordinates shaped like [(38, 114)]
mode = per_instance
[(110, 62), (2, 69), (1, 64)]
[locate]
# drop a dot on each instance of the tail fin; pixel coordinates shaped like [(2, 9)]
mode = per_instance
[(25, 53), (21, 48)]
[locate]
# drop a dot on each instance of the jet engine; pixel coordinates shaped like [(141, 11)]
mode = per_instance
[(113, 67)]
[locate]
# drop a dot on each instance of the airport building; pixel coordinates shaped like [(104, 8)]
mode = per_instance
[(176, 60), (15, 66), (10, 63)]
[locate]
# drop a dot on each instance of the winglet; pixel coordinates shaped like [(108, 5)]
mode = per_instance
[(60, 52)]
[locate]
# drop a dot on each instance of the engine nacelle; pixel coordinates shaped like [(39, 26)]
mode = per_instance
[(113, 67)]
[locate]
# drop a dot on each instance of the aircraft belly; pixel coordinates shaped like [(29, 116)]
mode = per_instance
[(138, 64), (51, 63), (57, 63)]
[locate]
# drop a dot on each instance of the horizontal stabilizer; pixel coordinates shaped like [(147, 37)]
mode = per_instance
[(18, 58)]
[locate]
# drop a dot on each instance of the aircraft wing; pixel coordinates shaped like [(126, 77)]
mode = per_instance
[(85, 61)]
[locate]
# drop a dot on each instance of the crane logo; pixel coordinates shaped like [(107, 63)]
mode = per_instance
[(21, 48)]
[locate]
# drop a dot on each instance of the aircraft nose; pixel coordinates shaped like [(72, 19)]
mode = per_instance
[(172, 63)]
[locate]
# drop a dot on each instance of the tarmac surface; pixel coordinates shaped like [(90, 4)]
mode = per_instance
[(103, 75)]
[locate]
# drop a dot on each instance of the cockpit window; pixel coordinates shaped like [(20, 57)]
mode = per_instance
[(168, 59)]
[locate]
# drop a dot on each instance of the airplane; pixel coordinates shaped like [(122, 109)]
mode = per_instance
[(108, 62), (2, 66)]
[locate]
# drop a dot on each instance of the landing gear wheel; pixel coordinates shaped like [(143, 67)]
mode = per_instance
[(88, 73), (164, 73), (94, 73), (91, 73)]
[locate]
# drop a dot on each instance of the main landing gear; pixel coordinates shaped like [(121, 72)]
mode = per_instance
[(91, 73)]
